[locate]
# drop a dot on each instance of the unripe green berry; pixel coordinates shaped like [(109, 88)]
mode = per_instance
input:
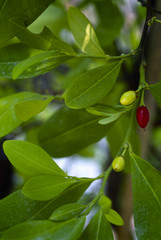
[(128, 98), (118, 164)]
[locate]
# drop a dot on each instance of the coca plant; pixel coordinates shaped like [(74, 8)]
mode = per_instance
[(88, 109)]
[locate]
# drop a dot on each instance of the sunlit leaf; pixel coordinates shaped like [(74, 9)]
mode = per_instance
[(39, 64), (28, 109), (84, 33), (110, 119), (91, 86), (8, 118), (30, 159), (114, 218), (46, 187), (102, 110)]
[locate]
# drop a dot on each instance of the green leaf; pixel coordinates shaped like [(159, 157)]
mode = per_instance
[(29, 38), (110, 21), (110, 119), (156, 91), (80, 65), (146, 198), (98, 229), (102, 110), (46, 33), (70, 195), (23, 209), (69, 230), (8, 119), (46, 187), (30, 159), (20, 11), (105, 204), (12, 55), (16, 208), (40, 41), (67, 211), (114, 218), (56, 44), (26, 110), (84, 33), (91, 86), (39, 64), (63, 47), (68, 131), (15, 54)]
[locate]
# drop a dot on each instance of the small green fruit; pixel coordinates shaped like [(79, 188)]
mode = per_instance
[(128, 98), (118, 164)]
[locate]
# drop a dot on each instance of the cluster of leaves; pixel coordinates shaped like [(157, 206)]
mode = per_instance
[(47, 206)]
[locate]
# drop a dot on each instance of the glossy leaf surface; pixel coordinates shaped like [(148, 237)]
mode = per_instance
[(8, 119), (84, 33), (12, 55), (102, 110), (110, 119), (91, 86), (30, 158), (67, 211), (39, 64), (69, 230), (28, 109), (98, 229), (114, 218), (146, 198), (46, 187), (69, 131), (22, 208)]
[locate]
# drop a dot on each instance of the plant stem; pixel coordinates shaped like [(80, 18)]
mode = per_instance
[(132, 53), (156, 20), (125, 147), (122, 56), (145, 31), (58, 97), (142, 99), (107, 173), (101, 192), (142, 75), (128, 133)]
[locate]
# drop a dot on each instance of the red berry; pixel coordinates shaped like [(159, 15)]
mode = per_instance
[(142, 116)]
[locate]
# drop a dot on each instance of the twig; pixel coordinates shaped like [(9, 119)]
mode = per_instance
[(156, 11), (145, 31)]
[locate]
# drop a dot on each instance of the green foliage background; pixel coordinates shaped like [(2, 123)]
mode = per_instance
[(63, 68)]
